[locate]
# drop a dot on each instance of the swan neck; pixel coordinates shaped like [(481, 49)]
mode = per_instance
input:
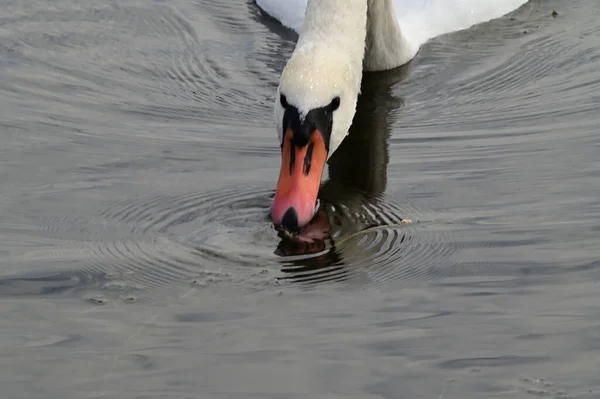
[(339, 24)]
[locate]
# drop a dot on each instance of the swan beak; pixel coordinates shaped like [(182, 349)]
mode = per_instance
[(299, 180)]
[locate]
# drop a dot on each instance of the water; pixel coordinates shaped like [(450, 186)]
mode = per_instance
[(137, 165)]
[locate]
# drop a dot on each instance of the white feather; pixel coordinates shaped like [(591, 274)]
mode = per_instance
[(420, 20)]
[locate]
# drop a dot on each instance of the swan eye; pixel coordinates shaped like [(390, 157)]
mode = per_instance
[(283, 101), (335, 104)]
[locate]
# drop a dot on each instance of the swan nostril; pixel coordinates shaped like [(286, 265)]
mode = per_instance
[(290, 219)]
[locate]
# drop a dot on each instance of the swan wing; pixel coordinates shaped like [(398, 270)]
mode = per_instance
[(421, 20)]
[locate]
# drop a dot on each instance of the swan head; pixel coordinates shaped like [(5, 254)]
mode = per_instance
[(315, 104)]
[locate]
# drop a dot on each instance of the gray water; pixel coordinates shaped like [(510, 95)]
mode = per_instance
[(138, 160)]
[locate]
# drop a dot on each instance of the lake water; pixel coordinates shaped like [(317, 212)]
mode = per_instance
[(138, 160)]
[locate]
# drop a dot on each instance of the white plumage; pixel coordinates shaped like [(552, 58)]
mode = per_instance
[(420, 20)]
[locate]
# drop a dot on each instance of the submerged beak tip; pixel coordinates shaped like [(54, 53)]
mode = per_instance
[(291, 220)]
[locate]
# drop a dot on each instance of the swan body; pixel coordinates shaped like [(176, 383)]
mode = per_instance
[(420, 20), (319, 86)]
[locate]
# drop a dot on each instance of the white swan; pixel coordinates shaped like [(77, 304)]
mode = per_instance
[(319, 86)]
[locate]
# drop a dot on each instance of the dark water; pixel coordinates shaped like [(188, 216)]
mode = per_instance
[(138, 159)]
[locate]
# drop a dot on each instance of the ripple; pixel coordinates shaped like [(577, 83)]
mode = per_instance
[(153, 64), (208, 223), (518, 83), (139, 245), (231, 229), (375, 244)]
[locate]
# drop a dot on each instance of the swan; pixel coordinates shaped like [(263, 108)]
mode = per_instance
[(317, 94)]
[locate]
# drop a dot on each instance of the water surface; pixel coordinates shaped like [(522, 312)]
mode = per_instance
[(137, 166)]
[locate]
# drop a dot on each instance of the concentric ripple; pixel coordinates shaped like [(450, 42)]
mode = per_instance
[(374, 244), (367, 242), (231, 224), (139, 245)]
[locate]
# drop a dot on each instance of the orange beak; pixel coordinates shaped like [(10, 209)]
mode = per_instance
[(299, 181)]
